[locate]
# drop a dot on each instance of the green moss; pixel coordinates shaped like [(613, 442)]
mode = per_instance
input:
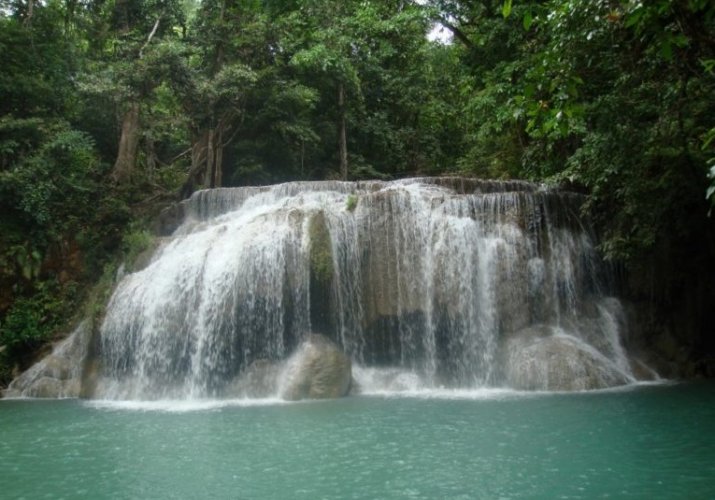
[(321, 254), (98, 298), (135, 243), (351, 202)]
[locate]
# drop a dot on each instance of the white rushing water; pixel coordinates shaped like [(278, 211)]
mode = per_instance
[(425, 283)]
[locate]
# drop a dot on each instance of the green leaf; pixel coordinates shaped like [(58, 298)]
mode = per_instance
[(527, 20), (635, 18), (506, 9), (708, 65)]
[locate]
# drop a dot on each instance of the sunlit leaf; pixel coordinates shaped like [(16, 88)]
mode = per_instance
[(527, 20), (506, 8)]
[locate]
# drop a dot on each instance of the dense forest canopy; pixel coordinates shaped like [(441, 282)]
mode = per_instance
[(110, 109)]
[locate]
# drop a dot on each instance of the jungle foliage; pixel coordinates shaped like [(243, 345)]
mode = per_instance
[(110, 108)]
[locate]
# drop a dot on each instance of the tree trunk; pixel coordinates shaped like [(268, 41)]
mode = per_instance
[(121, 12), (151, 157), (213, 159), (29, 13), (210, 158), (217, 180), (128, 143), (206, 160), (343, 137)]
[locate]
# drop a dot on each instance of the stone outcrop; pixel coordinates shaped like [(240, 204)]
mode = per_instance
[(317, 370), (558, 363), (58, 375), (466, 283)]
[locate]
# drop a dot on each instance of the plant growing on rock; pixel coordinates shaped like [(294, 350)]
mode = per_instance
[(351, 202)]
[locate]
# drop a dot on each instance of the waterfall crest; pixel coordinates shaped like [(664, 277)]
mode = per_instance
[(441, 282)]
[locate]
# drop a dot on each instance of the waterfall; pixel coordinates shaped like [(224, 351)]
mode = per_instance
[(433, 282)]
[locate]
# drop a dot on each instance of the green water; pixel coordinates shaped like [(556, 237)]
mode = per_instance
[(647, 442)]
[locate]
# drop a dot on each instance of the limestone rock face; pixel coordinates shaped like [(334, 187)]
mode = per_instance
[(558, 363), (57, 375), (317, 370)]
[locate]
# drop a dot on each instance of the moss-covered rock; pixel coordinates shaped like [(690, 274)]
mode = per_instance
[(321, 250), (321, 274)]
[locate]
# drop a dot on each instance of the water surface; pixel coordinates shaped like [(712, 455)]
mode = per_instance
[(644, 442)]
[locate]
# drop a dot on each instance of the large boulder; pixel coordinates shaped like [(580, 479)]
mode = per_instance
[(317, 370), (558, 363)]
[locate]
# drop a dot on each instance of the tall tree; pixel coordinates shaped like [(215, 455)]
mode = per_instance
[(223, 76), (324, 47), (133, 29), (354, 55)]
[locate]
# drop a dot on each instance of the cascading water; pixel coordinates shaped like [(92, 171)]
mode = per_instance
[(424, 283)]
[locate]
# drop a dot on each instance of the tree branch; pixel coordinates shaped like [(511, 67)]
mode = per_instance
[(183, 153), (459, 34), (151, 35)]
